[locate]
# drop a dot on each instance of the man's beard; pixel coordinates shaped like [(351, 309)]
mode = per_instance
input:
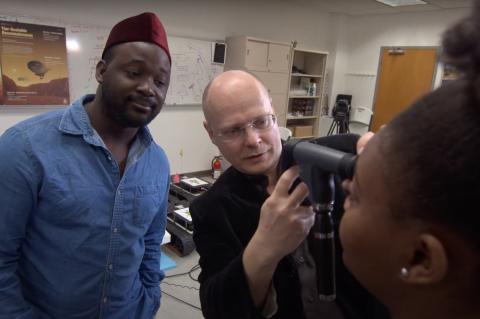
[(118, 112)]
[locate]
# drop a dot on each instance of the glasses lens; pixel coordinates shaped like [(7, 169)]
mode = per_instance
[(231, 133), (265, 122)]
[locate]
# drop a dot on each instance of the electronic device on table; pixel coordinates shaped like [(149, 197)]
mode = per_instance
[(179, 221)]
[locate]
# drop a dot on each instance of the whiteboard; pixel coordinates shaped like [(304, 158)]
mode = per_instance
[(192, 66), (192, 69)]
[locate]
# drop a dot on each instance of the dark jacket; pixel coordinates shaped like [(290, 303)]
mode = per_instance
[(225, 219)]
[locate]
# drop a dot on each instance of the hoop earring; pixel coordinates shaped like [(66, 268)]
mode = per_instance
[(404, 272)]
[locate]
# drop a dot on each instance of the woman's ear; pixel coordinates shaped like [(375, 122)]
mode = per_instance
[(428, 263)]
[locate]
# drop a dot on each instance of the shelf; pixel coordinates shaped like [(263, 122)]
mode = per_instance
[(308, 76), (302, 75), (303, 97), (301, 117)]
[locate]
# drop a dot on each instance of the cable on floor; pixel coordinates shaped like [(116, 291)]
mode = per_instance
[(181, 300), (190, 274), (179, 286)]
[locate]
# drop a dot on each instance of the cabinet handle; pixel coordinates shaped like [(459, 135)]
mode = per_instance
[(248, 51)]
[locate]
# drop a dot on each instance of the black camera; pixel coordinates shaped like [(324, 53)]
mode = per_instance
[(341, 115), (341, 109)]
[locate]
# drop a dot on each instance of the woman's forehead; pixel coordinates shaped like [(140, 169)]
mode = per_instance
[(370, 164)]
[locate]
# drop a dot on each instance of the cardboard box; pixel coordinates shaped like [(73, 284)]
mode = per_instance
[(303, 131), (292, 129)]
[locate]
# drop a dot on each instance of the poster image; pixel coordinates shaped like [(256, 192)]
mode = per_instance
[(33, 65)]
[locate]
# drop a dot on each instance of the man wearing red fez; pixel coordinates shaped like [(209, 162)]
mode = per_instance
[(84, 192)]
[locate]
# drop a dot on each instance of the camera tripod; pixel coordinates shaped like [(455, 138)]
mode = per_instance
[(340, 124)]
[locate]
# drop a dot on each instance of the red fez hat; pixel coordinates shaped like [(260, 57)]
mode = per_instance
[(145, 27)]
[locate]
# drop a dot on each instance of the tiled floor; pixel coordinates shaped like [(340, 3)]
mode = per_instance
[(180, 298)]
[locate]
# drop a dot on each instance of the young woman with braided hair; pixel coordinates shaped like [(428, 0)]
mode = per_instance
[(411, 228)]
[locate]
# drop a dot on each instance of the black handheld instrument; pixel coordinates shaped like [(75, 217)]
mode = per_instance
[(318, 165)]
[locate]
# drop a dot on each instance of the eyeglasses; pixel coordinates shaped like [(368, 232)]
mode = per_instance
[(261, 123)]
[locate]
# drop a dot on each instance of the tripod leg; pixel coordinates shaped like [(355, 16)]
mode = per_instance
[(344, 126), (330, 130)]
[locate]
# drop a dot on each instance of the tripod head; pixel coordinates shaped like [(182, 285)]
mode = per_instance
[(341, 115), (341, 110)]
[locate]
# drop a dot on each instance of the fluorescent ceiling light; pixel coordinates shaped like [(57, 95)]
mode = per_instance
[(399, 3)]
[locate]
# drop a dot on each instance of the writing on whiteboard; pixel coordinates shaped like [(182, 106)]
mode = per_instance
[(191, 70)]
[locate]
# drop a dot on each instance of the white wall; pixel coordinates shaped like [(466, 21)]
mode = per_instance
[(180, 128), (353, 42), (358, 51)]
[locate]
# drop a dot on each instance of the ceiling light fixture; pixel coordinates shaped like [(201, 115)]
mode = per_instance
[(400, 3)]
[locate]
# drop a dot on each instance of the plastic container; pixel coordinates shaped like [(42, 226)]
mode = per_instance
[(313, 89)]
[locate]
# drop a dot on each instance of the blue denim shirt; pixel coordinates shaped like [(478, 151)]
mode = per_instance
[(78, 239)]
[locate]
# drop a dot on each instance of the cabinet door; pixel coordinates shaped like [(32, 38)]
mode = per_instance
[(275, 82), (278, 57), (279, 103), (257, 55)]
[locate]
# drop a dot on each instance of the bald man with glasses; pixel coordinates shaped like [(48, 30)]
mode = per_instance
[(249, 230)]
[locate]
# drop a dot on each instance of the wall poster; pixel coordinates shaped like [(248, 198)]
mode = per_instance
[(33, 65)]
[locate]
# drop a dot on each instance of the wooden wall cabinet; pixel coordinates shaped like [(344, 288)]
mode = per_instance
[(268, 60)]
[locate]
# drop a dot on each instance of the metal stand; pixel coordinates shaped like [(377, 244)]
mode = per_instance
[(339, 124)]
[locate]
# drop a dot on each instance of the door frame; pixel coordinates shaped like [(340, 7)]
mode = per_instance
[(434, 76)]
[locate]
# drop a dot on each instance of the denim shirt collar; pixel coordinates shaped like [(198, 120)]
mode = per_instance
[(75, 121)]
